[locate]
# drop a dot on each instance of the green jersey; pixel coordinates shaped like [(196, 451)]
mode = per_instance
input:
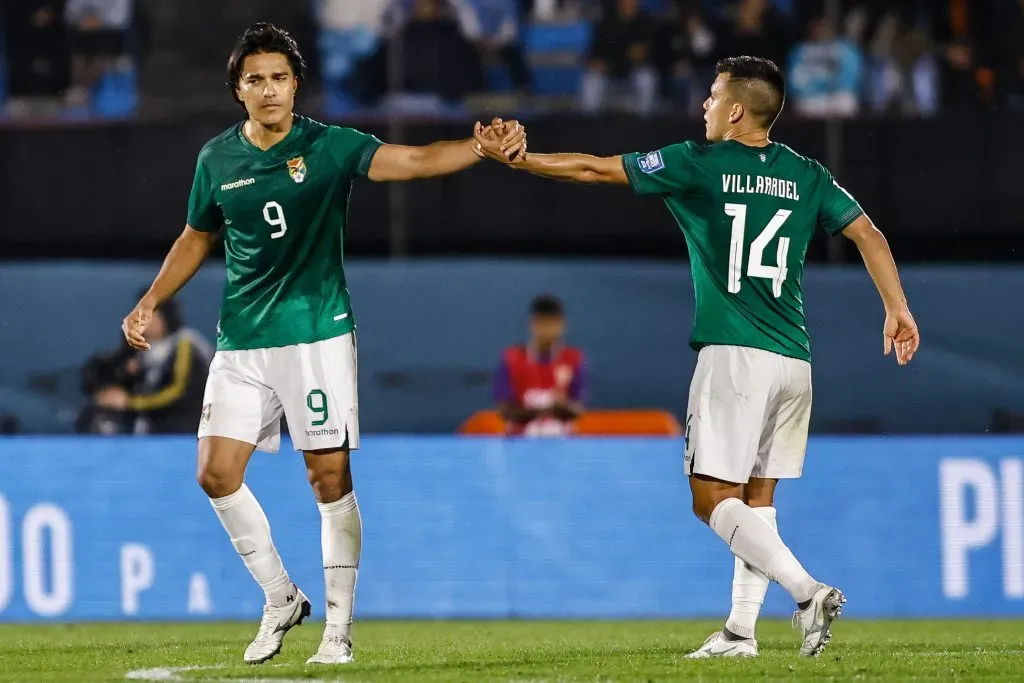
[(748, 214), (283, 211)]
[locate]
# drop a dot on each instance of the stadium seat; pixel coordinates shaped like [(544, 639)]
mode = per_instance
[(654, 7), (116, 95), (628, 423), (556, 54), (498, 78), (594, 423), (339, 52), (483, 423)]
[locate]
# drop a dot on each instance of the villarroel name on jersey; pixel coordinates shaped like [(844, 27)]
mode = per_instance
[(776, 187)]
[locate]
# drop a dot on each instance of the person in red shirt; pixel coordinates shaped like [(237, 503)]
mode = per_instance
[(539, 386)]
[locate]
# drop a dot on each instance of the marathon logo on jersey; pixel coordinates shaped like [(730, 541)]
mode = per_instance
[(650, 162), (297, 169), (237, 184)]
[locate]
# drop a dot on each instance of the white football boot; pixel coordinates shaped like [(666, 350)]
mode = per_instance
[(718, 646), (276, 622), (334, 649), (816, 621)]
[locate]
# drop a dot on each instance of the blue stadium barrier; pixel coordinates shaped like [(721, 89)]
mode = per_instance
[(967, 369), (116, 529)]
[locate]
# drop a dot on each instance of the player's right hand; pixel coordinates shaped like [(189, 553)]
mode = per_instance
[(135, 323), (503, 141), (900, 331)]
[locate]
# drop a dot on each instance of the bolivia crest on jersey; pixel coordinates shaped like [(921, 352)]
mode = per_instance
[(297, 169)]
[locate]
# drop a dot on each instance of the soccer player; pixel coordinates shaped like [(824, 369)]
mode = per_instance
[(278, 184), (748, 207)]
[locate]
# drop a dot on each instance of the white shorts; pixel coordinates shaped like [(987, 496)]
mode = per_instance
[(312, 385), (748, 415)]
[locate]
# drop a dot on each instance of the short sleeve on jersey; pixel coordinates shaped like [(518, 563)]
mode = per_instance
[(838, 207), (353, 150), (663, 171), (203, 213)]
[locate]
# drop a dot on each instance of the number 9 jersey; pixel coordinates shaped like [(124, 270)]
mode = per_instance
[(748, 215), (283, 212), (286, 342)]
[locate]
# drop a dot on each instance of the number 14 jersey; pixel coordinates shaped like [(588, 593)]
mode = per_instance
[(283, 211), (748, 215)]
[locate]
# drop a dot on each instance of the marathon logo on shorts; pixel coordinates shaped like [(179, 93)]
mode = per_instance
[(650, 162), (322, 432)]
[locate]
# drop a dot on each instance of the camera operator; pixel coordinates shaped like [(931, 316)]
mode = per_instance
[(156, 392)]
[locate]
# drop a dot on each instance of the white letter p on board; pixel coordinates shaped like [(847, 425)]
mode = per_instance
[(137, 572), (961, 534)]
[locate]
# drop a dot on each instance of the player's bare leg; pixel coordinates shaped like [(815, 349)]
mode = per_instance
[(221, 472), (341, 537), (719, 504)]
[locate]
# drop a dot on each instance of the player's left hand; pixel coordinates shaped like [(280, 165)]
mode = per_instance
[(135, 323), (900, 332), (503, 141)]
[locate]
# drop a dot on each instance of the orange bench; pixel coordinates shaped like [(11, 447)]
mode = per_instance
[(594, 423)]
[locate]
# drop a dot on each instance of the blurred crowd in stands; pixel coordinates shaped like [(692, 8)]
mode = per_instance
[(842, 57)]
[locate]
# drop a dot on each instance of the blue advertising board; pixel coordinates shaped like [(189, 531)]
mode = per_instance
[(116, 528)]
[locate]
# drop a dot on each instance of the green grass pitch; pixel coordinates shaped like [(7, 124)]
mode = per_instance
[(426, 651)]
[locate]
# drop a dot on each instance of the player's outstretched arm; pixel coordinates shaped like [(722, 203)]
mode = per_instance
[(183, 260), (567, 167), (401, 162), (575, 168), (900, 330)]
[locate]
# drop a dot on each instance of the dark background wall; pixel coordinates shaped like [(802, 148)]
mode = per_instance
[(943, 189)]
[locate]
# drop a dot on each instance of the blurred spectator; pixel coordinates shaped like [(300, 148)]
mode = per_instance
[(159, 391), (539, 386), (8, 425), (825, 73), (37, 55), (349, 33), (967, 77), (622, 49), (98, 41), (1010, 51), (685, 55), (552, 10), (493, 25), (437, 56), (902, 74), (756, 27)]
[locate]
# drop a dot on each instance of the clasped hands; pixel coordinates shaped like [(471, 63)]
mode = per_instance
[(503, 141)]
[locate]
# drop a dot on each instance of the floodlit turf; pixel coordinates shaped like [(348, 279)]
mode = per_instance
[(516, 651)]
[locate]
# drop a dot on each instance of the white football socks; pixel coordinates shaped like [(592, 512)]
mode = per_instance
[(249, 530), (753, 540), (748, 589), (341, 537)]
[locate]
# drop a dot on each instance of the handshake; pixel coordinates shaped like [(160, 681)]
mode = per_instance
[(503, 141)]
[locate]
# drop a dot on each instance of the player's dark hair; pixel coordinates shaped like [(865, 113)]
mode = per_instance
[(758, 83), (547, 306), (263, 38)]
